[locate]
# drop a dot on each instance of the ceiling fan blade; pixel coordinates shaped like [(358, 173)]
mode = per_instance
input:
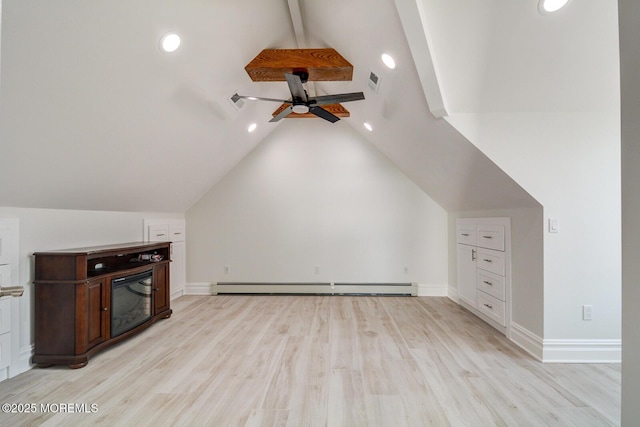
[(295, 86), (284, 113), (337, 99), (235, 97), (323, 114)]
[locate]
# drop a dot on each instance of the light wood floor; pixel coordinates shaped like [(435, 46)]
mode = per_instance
[(320, 361)]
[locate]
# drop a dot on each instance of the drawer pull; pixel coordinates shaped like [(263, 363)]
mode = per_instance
[(489, 306), (158, 235), (473, 254), (177, 234), (465, 234), (486, 260), (488, 283), (487, 237)]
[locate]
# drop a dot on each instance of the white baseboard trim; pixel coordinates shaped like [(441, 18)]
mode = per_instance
[(582, 351), (527, 340), (432, 290), (198, 289), (177, 294), (566, 350), (23, 364), (452, 293)]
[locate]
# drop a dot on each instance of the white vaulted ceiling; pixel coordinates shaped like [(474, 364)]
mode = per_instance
[(95, 116)]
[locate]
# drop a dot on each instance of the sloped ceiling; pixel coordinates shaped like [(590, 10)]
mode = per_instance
[(94, 116), (504, 56)]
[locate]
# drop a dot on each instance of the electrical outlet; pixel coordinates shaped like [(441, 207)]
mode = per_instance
[(587, 312), (227, 269)]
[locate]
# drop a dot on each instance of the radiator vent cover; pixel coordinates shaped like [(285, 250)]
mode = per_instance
[(311, 288)]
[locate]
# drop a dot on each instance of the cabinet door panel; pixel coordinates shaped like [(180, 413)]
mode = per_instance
[(96, 313), (5, 316), (5, 350), (467, 274), (160, 288), (178, 262)]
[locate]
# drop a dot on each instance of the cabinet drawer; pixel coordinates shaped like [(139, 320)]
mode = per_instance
[(176, 234), (5, 315), (159, 233), (466, 235), (491, 237), (491, 307), (492, 261), (491, 284)]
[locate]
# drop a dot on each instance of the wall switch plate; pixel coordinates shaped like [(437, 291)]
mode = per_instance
[(587, 312), (554, 225)]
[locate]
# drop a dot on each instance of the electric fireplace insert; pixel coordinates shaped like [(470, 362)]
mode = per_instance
[(130, 301)]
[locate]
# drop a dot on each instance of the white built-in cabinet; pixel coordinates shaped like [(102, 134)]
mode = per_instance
[(484, 268), (174, 231), (12, 360)]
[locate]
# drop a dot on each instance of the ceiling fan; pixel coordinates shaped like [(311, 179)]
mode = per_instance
[(301, 103)]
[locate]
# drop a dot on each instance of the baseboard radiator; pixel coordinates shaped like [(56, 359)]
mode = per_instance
[(397, 289)]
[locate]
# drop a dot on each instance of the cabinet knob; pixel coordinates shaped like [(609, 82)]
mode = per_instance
[(156, 289), (104, 308)]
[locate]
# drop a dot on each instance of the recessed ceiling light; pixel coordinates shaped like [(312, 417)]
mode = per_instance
[(170, 42), (549, 6), (367, 126), (252, 127), (388, 60)]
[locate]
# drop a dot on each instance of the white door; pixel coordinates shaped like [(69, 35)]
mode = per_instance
[(467, 274), (177, 269)]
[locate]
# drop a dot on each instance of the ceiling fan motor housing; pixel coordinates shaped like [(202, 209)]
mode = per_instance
[(302, 73)]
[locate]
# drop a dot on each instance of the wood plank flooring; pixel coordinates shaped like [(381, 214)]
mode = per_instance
[(246, 360)]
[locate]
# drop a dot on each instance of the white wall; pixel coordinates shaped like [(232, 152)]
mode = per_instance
[(570, 163), (317, 194), (527, 264), (630, 83), (51, 229)]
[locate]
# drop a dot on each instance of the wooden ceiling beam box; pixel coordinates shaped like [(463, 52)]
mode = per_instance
[(322, 65), (336, 109)]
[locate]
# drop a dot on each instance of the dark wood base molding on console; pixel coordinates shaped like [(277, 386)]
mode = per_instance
[(79, 293)]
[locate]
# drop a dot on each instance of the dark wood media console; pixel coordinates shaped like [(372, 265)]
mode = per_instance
[(74, 301)]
